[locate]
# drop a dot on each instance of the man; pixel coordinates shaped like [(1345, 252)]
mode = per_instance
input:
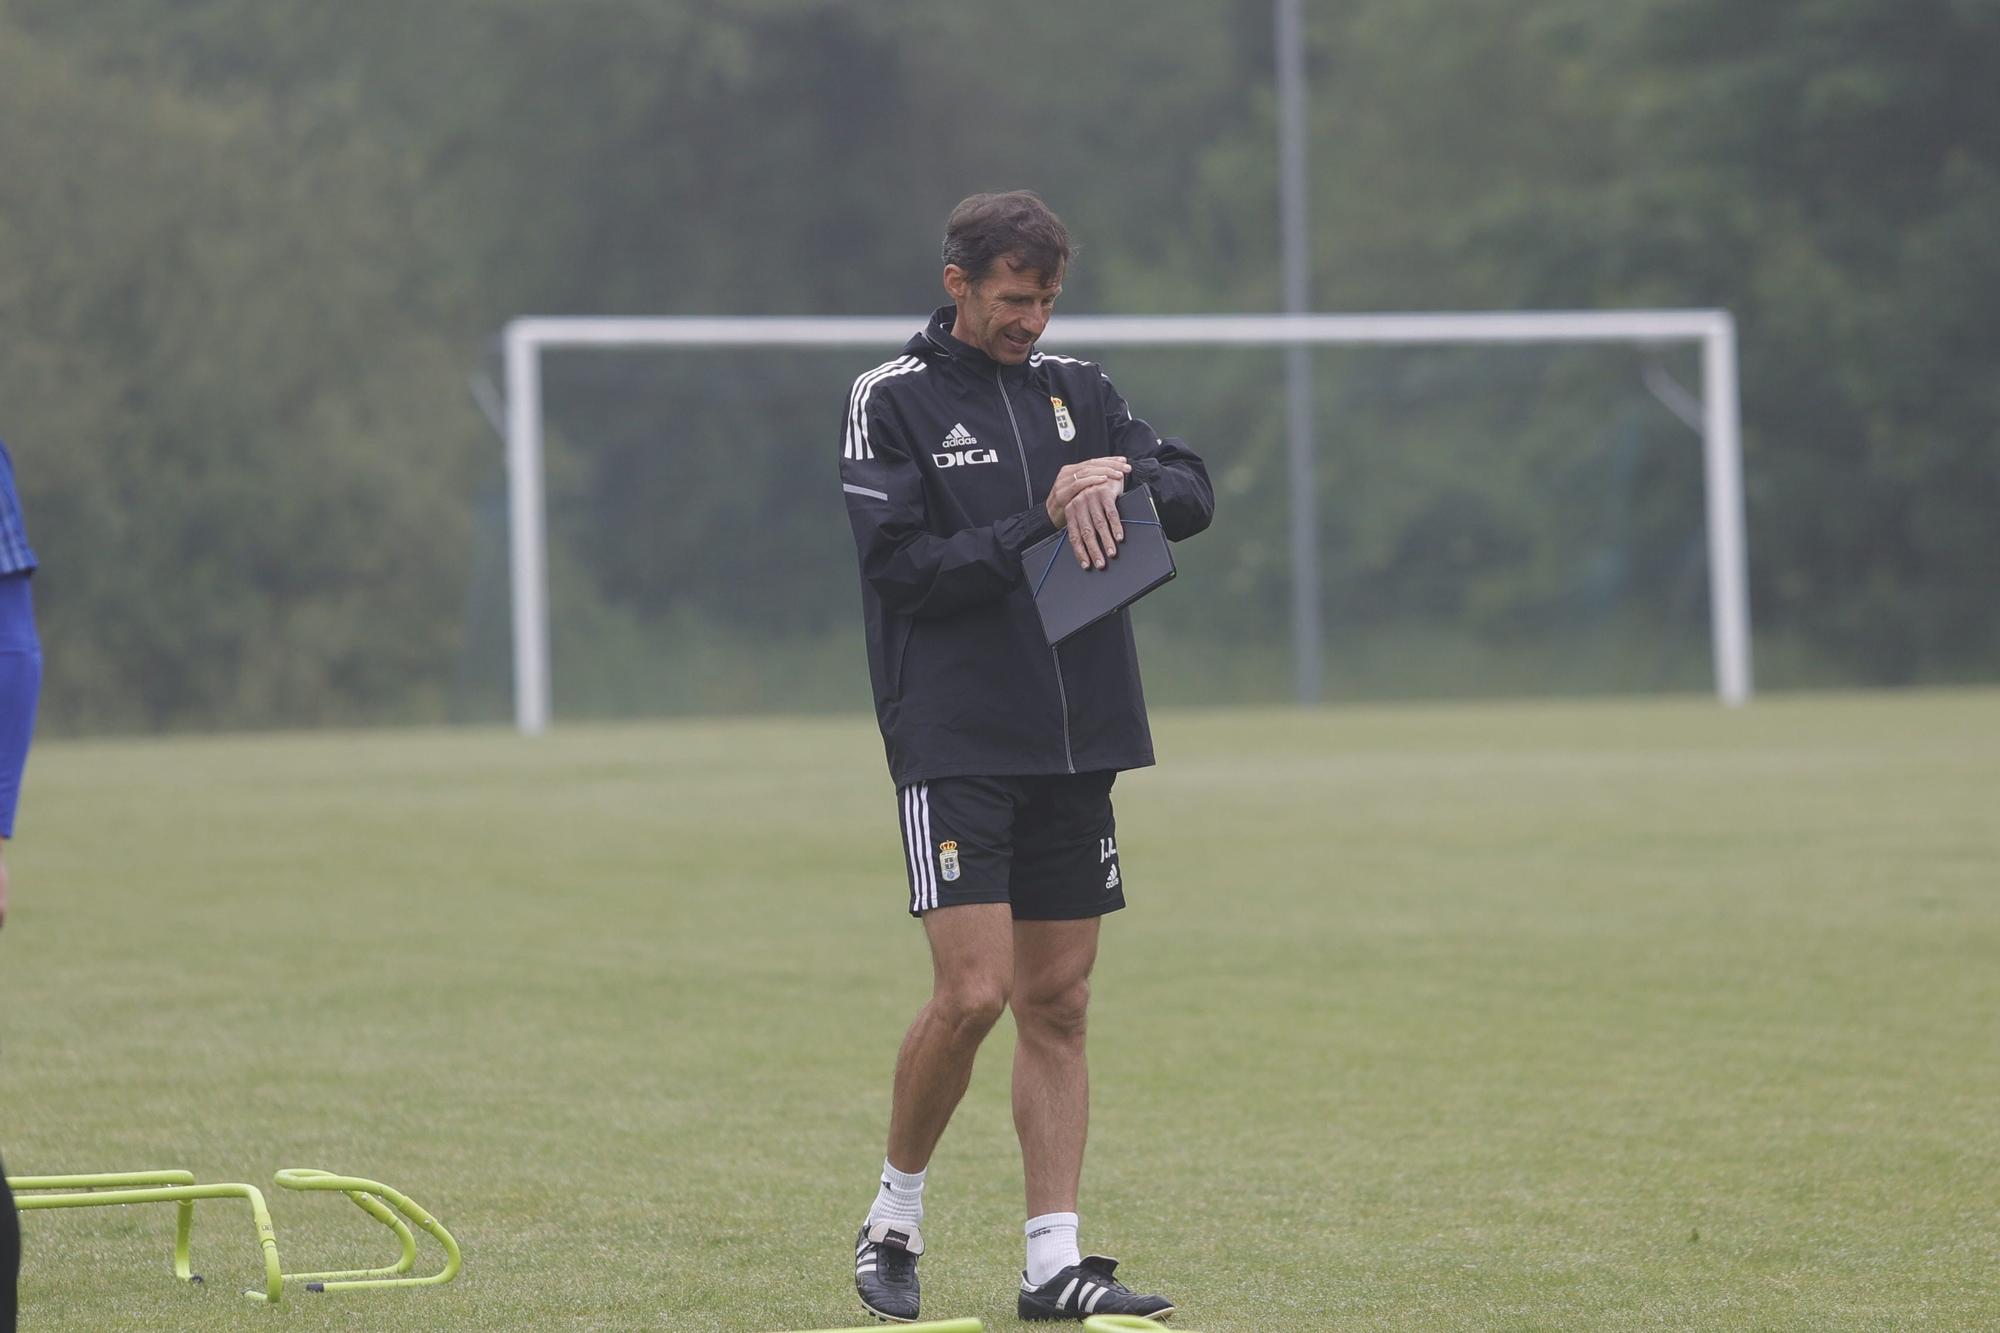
[(957, 456), (20, 685)]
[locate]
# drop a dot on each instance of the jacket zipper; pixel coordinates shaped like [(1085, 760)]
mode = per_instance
[(1062, 693)]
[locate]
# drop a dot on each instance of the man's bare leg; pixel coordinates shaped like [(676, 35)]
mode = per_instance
[(972, 967), (1051, 996), (972, 971), (1052, 961)]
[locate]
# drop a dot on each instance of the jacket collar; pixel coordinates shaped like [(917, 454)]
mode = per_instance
[(937, 336)]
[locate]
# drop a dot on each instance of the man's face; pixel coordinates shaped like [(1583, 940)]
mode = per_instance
[(1003, 313)]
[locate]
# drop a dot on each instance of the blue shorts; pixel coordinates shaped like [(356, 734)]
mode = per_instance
[(1046, 846), (20, 687)]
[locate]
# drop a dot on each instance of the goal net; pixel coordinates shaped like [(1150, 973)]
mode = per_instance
[(1500, 505)]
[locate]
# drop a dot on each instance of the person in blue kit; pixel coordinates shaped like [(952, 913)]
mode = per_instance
[(20, 686)]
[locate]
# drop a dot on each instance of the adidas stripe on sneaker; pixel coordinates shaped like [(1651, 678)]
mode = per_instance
[(1084, 1289), (885, 1270)]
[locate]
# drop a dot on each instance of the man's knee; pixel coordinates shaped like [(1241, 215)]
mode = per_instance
[(970, 1006), (1059, 1014)]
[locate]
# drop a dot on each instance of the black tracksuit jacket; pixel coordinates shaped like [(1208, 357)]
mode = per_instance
[(948, 457)]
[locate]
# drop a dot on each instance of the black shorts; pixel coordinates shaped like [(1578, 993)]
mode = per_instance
[(1046, 845)]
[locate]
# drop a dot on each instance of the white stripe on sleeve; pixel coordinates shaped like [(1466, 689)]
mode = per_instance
[(855, 400), (858, 396), (857, 446)]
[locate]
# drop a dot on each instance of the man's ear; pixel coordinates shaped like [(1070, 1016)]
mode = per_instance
[(957, 282)]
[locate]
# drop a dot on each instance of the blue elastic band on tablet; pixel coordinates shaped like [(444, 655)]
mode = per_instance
[(1055, 552)]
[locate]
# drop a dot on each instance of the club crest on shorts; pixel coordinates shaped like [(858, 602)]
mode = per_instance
[(1065, 426), (948, 860)]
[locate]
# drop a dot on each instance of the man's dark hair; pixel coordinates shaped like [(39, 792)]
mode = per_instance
[(1016, 226)]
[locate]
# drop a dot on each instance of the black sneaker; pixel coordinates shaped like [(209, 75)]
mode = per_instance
[(885, 1270), (1087, 1288)]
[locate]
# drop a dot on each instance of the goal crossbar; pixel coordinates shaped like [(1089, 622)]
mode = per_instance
[(1713, 331)]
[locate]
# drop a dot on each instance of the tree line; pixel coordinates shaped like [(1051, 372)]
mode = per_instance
[(259, 246)]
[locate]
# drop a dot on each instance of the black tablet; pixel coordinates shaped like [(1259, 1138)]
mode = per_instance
[(1071, 597)]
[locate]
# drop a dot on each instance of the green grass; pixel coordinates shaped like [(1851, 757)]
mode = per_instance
[(1566, 1016)]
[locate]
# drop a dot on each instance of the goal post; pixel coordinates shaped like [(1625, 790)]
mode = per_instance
[(1712, 331)]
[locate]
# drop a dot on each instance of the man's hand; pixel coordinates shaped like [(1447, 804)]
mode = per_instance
[(1085, 500)]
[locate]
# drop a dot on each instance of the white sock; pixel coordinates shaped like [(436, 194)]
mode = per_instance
[(901, 1198), (1051, 1246)]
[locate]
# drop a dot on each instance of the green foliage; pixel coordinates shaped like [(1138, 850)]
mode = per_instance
[(260, 243), (238, 427)]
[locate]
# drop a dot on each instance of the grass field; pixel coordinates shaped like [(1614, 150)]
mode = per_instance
[(1600, 1016)]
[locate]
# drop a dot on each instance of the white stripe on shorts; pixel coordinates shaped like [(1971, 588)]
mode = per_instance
[(930, 867), (907, 798), (916, 845)]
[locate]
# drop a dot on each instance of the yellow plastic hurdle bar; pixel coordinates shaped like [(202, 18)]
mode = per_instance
[(113, 1188), (376, 1199), (390, 1207)]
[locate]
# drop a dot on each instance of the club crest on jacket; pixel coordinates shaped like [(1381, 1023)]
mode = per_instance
[(1065, 425)]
